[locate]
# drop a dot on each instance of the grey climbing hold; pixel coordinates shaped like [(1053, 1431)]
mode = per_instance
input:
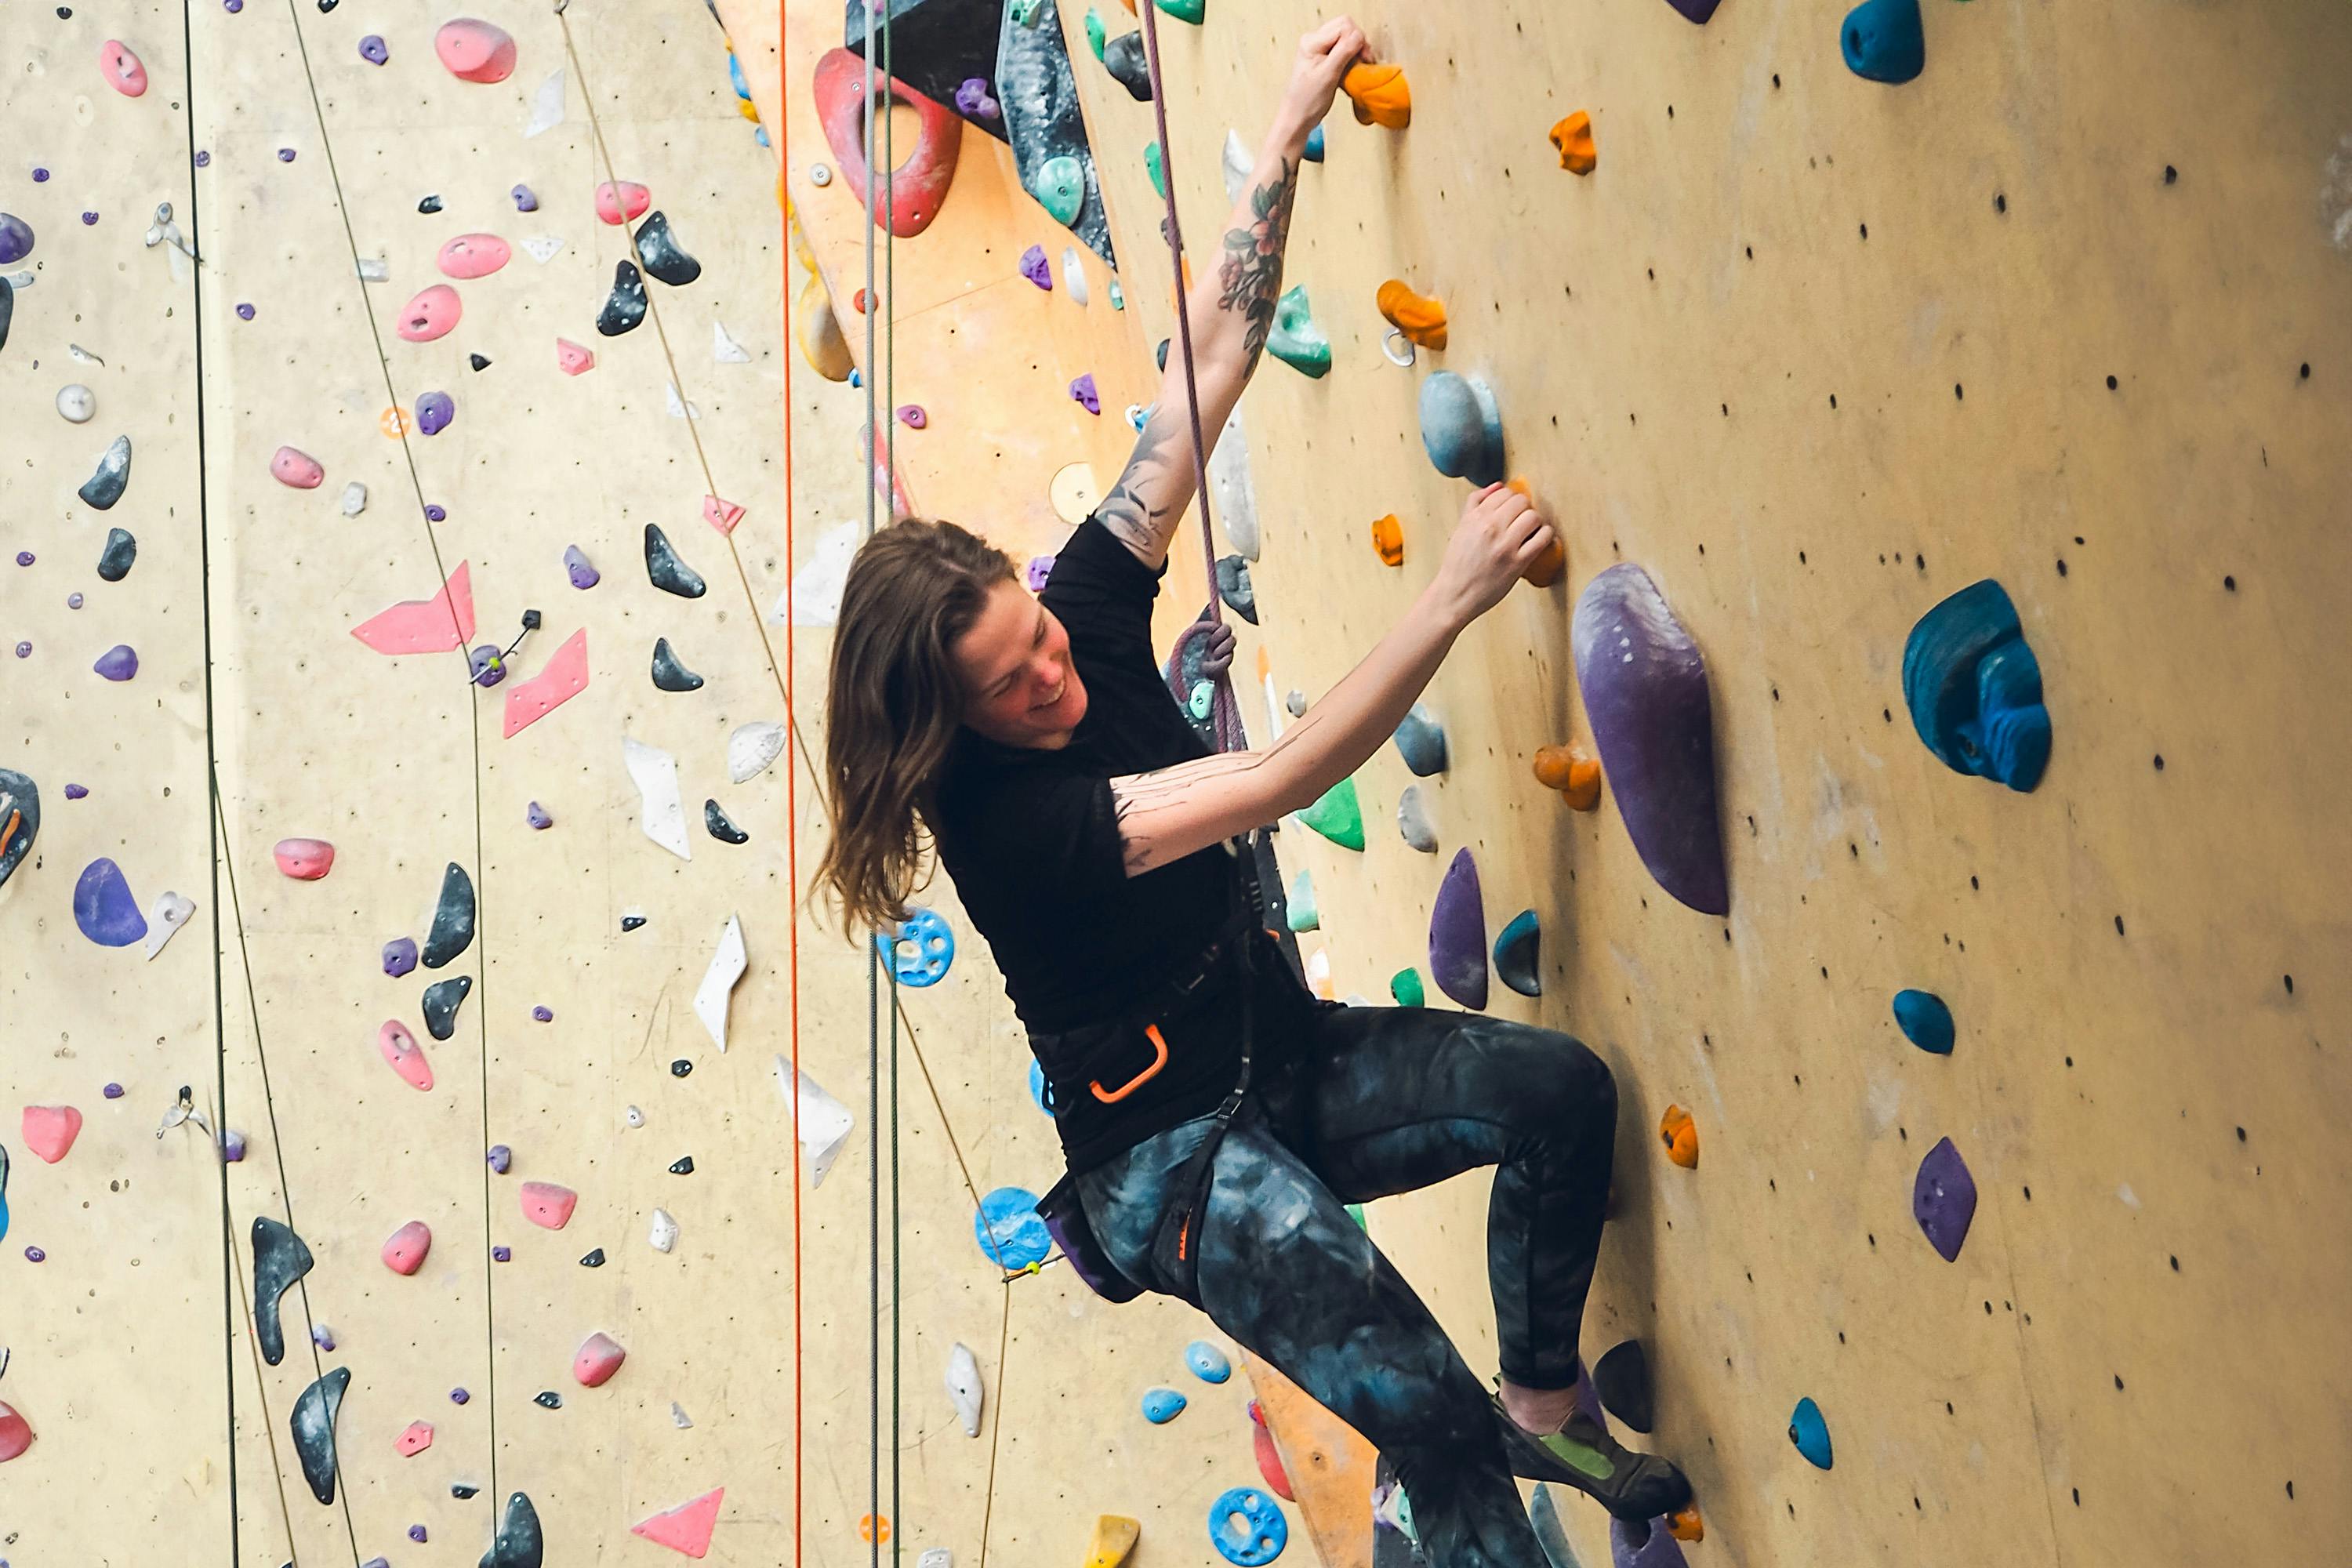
[(625, 308), (669, 573), (665, 259), (1462, 428), (1518, 954), (518, 1543), (279, 1259), (1233, 587), (1123, 58), (1622, 1378), (441, 1000), (314, 1430), (121, 550), (1414, 821), (105, 487), (720, 825), (669, 675), (1420, 740), (20, 820), (453, 920), (1925, 1021), (399, 956)]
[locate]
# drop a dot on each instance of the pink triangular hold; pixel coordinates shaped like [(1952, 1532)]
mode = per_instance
[(424, 626), (686, 1528), (565, 676), (415, 1440), (407, 1057), (571, 359), (722, 515), (547, 1206), (50, 1130)]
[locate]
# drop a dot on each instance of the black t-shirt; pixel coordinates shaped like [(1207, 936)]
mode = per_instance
[(1033, 844)]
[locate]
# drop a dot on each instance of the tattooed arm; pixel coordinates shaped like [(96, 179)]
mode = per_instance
[(1231, 308)]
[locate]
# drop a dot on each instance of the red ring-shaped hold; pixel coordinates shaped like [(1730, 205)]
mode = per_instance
[(920, 185)]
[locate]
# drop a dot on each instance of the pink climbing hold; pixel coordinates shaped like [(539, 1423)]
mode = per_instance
[(17, 1436), (305, 860), (571, 359), (473, 256), (406, 1055), (722, 515), (424, 626), (547, 1206), (415, 1440), (686, 1528), (432, 314), (121, 68), (475, 50), (405, 1253), (295, 468), (50, 1130), (620, 204), (598, 1360), (565, 676)]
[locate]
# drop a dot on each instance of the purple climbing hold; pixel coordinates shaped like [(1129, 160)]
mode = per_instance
[(372, 49), (1457, 935), (35, 1254), (434, 412), (16, 238), (77, 792), (1644, 685), (73, 601), (1695, 10), (90, 220), (1083, 392), (501, 1158), (416, 1533), (576, 564), (24, 558), (912, 417), (1040, 568), (285, 155), (204, 159), (112, 1091), (23, 651), (104, 908), (458, 1396), (1644, 1543), (1944, 1199), (536, 814), (1037, 268), (40, 177), (544, 1015), (399, 956), (490, 666), (972, 101), (523, 200), (502, 1254), (117, 663), (434, 513), (232, 1145), (244, 311)]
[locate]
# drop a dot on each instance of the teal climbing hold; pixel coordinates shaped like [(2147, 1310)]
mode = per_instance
[(1161, 1405), (1338, 817), (1543, 1513), (1883, 40), (1517, 955), (1303, 916), (1974, 687), (1118, 296), (1314, 152), (1061, 188), (1097, 34), (1406, 987), (1296, 339), (1422, 741), (1155, 166), (1208, 1363), (1925, 1021), (1810, 1434), (1184, 10), (1462, 428)]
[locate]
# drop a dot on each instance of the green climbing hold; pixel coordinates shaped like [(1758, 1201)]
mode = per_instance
[(1118, 296), (1061, 188), (1152, 166), (1296, 339), (1406, 987), (1095, 32), (1338, 817), (1184, 10), (1356, 1213), (1302, 914)]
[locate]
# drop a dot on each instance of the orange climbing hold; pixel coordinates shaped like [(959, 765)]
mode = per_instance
[(1684, 1524), (1573, 137), (1381, 94), (1420, 317), (1546, 569), (1680, 1135), (1570, 771), (1388, 538)]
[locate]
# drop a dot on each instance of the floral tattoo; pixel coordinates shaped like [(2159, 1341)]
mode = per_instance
[(1250, 276)]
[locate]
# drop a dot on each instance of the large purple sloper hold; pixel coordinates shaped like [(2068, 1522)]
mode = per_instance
[(1457, 935), (1944, 1199), (1644, 689), (1639, 1543)]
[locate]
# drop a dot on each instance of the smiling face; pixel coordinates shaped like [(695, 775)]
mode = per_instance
[(1016, 665)]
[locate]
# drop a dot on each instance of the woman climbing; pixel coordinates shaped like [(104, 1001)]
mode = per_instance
[(1216, 1118)]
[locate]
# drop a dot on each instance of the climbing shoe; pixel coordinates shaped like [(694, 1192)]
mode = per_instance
[(1582, 1455)]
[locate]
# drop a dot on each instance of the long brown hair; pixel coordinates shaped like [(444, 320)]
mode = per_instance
[(894, 700)]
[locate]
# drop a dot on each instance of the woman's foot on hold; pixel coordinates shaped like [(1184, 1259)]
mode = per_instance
[(1629, 1485)]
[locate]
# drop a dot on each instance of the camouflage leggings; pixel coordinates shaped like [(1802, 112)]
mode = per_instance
[(1378, 1101)]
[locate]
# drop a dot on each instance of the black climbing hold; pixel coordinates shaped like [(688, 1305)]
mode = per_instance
[(722, 827), (681, 1067), (1123, 58), (479, 361), (1622, 1377), (430, 205), (105, 487), (20, 819), (669, 573), (518, 1543), (7, 309), (453, 919), (935, 46), (461, 1492), (682, 1166), (546, 1399), (121, 550), (1233, 587), (666, 258), (669, 673), (314, 1430), (625, 306), (1161, 353), (442, 999), (1517, 955), (531, 620), (594, 1259), (631, 922), (279, 1259)]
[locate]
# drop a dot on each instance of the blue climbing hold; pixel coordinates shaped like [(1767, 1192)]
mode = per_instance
[(1161, 1405), (1208, 1363), (1422, 741), (1314, 153), (922, 951), (1462, 428), (735, 77), (4, 1192), (1009, 1229), (1517, 955), (103, 907), (1974, 687), (1269, 1531), (1037, 1091), (1925, 1022), (1883, 40), (1810, 1434)]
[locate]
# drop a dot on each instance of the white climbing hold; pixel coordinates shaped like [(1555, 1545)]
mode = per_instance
[(1073, 275), (963, 1388), (1238, 162), (1318, 974), (726, 968), (1413, 820), (354, 498), (1229, 476), (1296, 700), (936, 1557), (820, 175), (678, 1417), (824, 1121), (751, 748), (542, 248), (678, 407), (664, 1233), (76, 403), (171, 912), (726, 350), (816, 588), (546, 106), (375, 270), (634, 1116), (661, 811)]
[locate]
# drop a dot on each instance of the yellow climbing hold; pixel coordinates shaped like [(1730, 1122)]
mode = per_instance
[(1573, 137), (1114, 1538), (1420, 317), (1381, 94)]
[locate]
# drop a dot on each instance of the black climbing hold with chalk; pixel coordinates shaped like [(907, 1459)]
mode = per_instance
[(721, 827), (106, 486), (666, 258), (681, 1067), (429, 205), (594, 1259), (7, 309), (279, 1259), (669, 675), (121, 550), (461, 1492), (625, 308), (20, 819), (1123, 58), (1161, 353), (313, 1422), (518, 1544), (935, 45), (1233, 587), (1622, 1378), (682, 1166), (453, 918), (546, 1399), (669, 573), (442, 999), (631, 922)]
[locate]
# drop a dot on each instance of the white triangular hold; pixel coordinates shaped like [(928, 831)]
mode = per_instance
[(546, 106), (936, 1557), (825, 1122), (963, 1388), (171, 912), (816, 588), (1238, 162), (660, 809), (726, 968), (678, 407), (375, 270), (664, 1233), (751, 748), (1074, 275), (678, 1416), (542, 248), (726, 350)]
